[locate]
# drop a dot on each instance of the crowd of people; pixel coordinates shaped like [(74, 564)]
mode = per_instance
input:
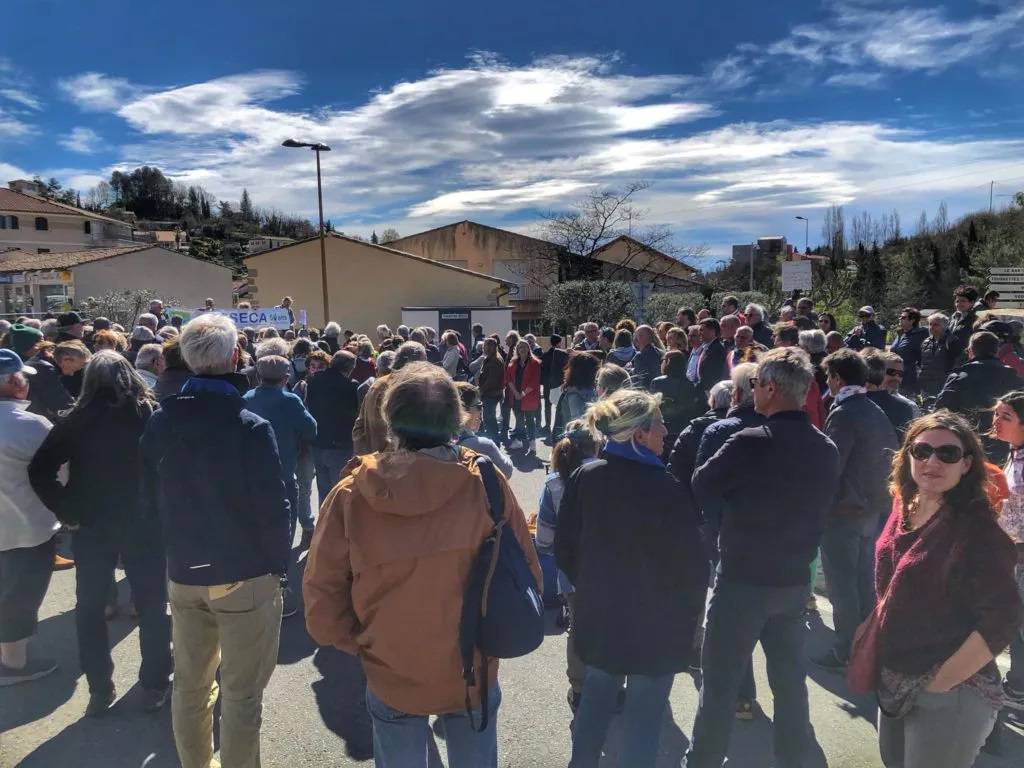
[(700, 470)]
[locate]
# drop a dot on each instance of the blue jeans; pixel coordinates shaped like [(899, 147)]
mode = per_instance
[(490, 417), (739, 615), (646, 699), (848, 559), (304, 472), (96, 550), (328, 463), (400, 740), (526, 424)]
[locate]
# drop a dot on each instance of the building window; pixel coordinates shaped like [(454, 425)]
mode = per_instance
[(3, 222), (41, 223), (88, 227), (14, 222)]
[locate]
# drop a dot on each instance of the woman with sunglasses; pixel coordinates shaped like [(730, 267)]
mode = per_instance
[(907, 345), (1008, 426), (948, 603)]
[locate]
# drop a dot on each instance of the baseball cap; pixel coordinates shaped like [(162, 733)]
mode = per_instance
[(10, 362), (866, 310), (67, 319)]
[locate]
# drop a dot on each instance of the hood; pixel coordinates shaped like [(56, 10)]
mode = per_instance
[(412, 484)]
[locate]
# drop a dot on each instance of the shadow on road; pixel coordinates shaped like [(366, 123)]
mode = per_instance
[(341, 698), (863, 706)]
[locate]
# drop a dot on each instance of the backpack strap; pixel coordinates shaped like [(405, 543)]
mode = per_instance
[(495, 497)]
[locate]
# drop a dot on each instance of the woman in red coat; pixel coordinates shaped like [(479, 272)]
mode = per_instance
[(522, 387)]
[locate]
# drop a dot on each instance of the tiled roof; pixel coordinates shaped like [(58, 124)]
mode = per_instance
[(19, 202), (23, 261)]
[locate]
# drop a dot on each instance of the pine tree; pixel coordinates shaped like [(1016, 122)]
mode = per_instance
[(373, 237), (245, 206), (205, 208), (193, 202), (78, 199)]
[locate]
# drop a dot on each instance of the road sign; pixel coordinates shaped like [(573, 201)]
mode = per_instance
[(796, 276), (1009, 282), (1000, 271)]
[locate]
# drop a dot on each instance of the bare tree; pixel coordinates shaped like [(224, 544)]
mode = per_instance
[(833, 230), (389, 235), (569, 244), (941, 222)]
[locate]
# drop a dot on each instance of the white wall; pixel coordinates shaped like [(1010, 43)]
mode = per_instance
[(497, 320), (64, 234)]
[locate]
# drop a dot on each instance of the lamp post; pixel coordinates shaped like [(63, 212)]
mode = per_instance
[(318, 148), (807, 229)]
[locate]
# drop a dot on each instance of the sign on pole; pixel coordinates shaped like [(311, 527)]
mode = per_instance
[(1009, 281), (253, 318), (796, 275)]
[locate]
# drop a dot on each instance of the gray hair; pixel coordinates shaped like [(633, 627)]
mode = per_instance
[(741, 376), (33, 322), (383, 332), (789, 369), (275, 346), (208, 344), (49, 329), (757, 308), (409, 352), (167, 332), (812, 342), (385, 360), (142, 333), (5, 326), (108, 372), (720, 395), (149, 320), (332, 329), (941, 318), (147, 356), (403, 331)]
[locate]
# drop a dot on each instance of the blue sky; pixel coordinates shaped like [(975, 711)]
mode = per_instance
[(740, 115)]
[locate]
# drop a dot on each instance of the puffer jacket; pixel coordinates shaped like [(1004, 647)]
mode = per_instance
[(908, 346), (936, 363), (388, 564)]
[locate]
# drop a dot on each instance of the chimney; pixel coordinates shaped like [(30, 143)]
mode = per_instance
[(26, 187)]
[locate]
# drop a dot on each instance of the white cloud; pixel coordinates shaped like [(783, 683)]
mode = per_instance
[(21, 97), (11, 127), (463, 201), (84, 140), (95, 92), (855, 79)]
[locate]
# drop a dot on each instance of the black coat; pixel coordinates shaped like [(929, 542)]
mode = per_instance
[(333, 401), (552, 367), (46, 393), (712, 368), (100, 445), (645, 366), (871, 335), (972, 390), (683, 458), (899, 412), (680, 402), (763, 334), (960, 329), (627, 539), (936, 363)]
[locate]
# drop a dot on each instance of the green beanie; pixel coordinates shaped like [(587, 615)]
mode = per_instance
[(23, 338)]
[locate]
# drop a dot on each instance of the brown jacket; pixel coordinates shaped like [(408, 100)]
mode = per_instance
[(492, 378), (389, 561), (370, 432)]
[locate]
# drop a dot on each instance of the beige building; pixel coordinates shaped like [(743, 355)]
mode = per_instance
[(368, 284), (532, 264), (32, 223), (31, 282)]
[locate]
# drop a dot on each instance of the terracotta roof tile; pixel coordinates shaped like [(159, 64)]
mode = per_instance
[(23, 261), (19, 202)]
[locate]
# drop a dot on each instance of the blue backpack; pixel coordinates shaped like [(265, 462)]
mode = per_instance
[(502, 611)]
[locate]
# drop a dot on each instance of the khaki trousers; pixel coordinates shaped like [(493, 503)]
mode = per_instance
[(238, 631)]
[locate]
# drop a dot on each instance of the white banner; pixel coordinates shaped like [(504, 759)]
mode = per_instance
[(796, 275), (253, 318)]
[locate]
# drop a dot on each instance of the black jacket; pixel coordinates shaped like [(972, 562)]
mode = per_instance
[(645, 367), (866, 441), (960, 329), (899, 412), (871, 335), (763, 334), (936, 363), (46, 394), (100, 444), (772, 516), (212, 475), (681, 401), (908, 347), (627, 539), (972, 389), (171, 381), (333, 401), (552, 367), (712, 368), (683, 459)]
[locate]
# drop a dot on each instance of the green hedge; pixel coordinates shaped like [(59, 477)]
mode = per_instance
[(663, 306)]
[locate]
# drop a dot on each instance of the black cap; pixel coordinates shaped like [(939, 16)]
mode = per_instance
[(67, 319), (998, 327)]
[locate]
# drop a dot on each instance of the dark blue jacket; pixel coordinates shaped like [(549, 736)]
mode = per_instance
[(645, 366), (333, 401), (972, 389), (772, 516), (292, 423), (871, 335), (908, 346), (211, 472)]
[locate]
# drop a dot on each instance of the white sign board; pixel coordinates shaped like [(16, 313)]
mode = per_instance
[(796, 275), (253, 318), (1009, 281)]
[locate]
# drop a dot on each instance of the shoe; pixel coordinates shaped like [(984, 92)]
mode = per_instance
[(33, 670), (1013, 698), (289, 602), (744, 709), (830, 662), (100, 702), (61, 563), (574, 700), (153, 699), (307, 538), (811, 609), (515, 445), (110, 611)]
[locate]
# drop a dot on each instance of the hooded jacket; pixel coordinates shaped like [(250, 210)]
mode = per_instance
[(972, 389), (211, 473), (908, 346), (936, 361), (388, 565)]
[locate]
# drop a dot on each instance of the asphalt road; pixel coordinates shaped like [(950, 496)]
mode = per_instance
[(315, 715)]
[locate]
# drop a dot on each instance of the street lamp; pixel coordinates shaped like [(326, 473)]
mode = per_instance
[(317, 148), (807, 229)]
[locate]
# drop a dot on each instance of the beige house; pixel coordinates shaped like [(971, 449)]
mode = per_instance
[(531, 264), (42, 282), (367, 284), (32, 223)]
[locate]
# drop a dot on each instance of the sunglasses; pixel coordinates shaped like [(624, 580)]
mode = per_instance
[(948, 454), (864, 317), (894, 372)]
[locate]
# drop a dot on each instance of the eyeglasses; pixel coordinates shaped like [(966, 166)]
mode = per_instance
[(948, 454), (753, 381), (894, 372)]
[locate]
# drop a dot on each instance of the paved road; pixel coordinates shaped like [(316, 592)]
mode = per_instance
[(315, 715)]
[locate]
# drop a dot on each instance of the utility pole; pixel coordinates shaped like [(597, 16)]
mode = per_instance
[(991, 188)]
